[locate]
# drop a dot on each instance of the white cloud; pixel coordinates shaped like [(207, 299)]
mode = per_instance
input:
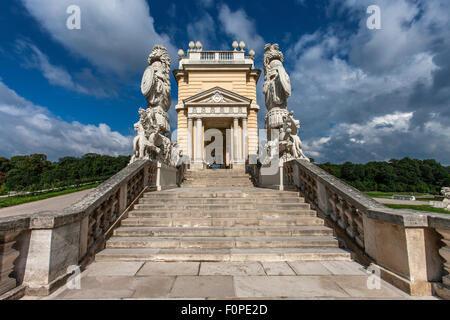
[(375, 95), (238, 25), (56, 75), (206, 3), (115, 35), (27, 128), (202, 30)]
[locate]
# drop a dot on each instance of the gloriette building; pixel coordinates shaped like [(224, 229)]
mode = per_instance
[(217, 90)]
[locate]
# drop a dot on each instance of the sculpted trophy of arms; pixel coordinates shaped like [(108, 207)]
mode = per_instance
[(153, 129), (277, 90)]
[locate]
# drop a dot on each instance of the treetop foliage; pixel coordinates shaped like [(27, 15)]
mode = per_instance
[(405, 175), (35, 172)]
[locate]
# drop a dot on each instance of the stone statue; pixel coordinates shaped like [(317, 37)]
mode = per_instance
[(155, 84), (277, 85), (446, 193), (290, 143), (153, 129), (277, 90)]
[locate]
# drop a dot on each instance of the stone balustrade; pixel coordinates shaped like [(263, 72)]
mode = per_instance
[(38, 251), (411, 249), (406, 245)]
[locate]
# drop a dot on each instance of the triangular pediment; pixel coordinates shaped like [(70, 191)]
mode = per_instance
[(217, 96)]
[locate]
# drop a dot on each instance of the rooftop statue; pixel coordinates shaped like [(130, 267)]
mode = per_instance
[(153, 129)]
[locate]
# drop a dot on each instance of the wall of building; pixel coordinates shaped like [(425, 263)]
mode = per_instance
[(236, 81)]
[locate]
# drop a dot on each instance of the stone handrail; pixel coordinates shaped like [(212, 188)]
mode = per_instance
[(410, 248), (36, 250)]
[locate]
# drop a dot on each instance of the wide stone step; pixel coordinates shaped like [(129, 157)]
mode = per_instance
[(196, 214), (221, 222), (218, 195), (222, 178), (222, 242), (254, 231), (237, 255), (234, 206), (214, 185), (222, 201)]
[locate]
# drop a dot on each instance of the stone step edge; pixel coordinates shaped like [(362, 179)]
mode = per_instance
[(212, 255)]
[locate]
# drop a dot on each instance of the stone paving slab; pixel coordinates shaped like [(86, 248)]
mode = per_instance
[(309, 268), (203, 286), (232, 269), (344, 268), (356, 286), (287, 286), (278, 269), (170, 269), (227, 280), (122, 268)]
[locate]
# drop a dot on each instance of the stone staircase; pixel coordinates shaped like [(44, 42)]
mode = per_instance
[(217, 178), (220, 216)]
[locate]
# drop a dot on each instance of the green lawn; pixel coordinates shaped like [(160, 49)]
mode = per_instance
[(378, 194), (14, 201), (418, 208)]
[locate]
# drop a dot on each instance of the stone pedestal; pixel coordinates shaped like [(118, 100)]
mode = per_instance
[(166, 177)]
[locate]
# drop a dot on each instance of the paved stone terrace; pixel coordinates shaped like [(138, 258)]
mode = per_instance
[(226, 280)]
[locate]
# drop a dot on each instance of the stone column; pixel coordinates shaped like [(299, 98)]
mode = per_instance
[(198, 148), (244, 139), (189, 138), (235, 139)]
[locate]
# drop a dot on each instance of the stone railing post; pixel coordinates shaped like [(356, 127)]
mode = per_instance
[(7, 257), (158, 176), (281, 176)]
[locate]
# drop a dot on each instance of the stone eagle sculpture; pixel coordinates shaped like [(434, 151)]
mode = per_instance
[(277, 90), (153, 128)]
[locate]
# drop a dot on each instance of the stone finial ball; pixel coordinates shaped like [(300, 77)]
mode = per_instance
[(191, 45), (180, 53), (235, 45), (199, 45), (252, 53), (242, 45)]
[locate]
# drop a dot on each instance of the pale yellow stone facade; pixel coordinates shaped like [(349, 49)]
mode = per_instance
[(217, 90)]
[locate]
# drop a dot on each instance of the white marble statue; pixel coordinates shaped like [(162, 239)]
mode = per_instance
[(446, 193), (153, 129), (277, 84), (290, 139), (277, 90)]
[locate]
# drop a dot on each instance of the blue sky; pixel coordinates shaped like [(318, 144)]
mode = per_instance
[(360, 94)]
